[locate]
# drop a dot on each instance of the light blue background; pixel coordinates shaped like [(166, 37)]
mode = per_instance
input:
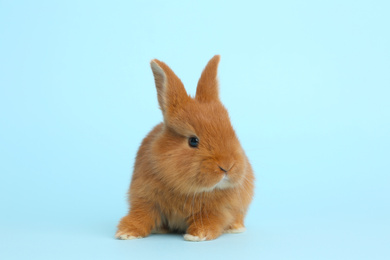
[(307, 85)]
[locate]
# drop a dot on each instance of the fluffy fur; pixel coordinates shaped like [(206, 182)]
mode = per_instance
[(202, 191)]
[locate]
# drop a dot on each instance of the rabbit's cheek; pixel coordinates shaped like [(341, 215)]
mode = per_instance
[(208, 180)]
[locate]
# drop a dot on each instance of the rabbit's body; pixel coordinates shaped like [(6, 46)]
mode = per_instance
[(191, 174)]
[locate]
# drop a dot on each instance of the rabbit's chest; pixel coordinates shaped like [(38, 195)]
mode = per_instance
[(176, 210), (174, 222)]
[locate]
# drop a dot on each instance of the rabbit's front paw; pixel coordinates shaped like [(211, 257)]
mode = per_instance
[(201, 234), (189, 237), (130, 229), (126, 235)]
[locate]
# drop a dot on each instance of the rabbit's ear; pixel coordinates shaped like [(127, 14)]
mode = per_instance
[(170, 90), (207, 89)]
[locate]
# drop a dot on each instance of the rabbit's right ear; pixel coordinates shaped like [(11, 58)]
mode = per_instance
[(170, 90), (207, 89)]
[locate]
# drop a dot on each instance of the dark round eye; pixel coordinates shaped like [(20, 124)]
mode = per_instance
[(193, 141)]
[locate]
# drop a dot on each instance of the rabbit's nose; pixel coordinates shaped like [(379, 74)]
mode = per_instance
[(222, 169), (225, 169)]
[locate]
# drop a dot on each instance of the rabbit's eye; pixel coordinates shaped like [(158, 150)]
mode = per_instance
[(193, 141)]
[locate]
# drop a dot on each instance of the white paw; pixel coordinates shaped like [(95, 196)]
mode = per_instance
[(189, 237), (236, 230), (126, 237)]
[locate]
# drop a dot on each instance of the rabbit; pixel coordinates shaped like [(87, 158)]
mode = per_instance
[(191, 175)]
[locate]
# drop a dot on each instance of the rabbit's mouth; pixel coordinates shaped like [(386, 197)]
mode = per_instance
[(224, 183)]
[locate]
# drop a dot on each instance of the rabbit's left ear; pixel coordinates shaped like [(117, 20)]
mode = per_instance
[(207, 89)]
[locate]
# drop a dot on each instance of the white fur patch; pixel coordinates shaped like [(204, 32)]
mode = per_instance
[(234, 231), (224, 183), (158, 70), (189, 237), (127, 237)]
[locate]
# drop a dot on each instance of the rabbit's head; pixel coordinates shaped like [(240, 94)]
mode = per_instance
[(197, 149)]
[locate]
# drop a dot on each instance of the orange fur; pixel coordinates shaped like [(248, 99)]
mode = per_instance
[(203, 191)]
